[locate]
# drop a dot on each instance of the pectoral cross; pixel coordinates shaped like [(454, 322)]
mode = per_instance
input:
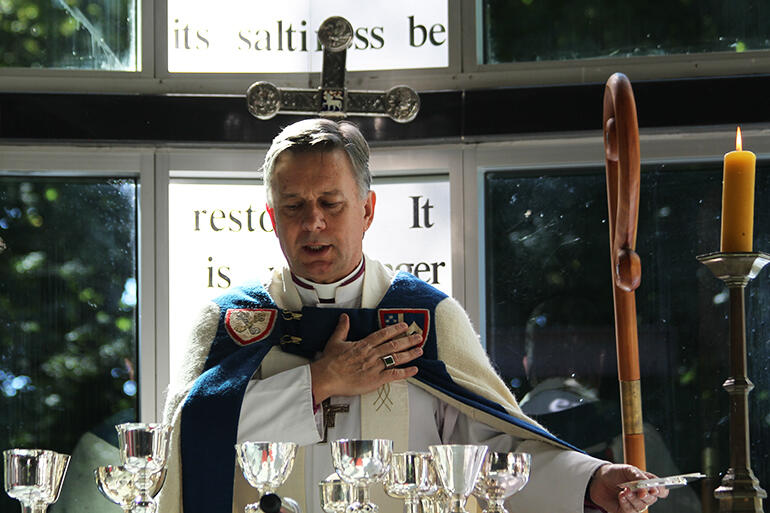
[(332, 99), (330, 410)]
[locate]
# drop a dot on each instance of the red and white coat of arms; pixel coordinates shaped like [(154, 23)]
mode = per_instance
[(249, 325)]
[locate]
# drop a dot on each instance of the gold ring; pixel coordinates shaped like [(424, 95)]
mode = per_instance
[(389, 361)]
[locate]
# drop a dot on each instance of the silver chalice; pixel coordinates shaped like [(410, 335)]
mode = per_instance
[(117, 485), (409, 476), (266, 465), (335, 494), (458, 469), (34, 477), (143, 452), (362, 463), (502, 474), (434, 498)]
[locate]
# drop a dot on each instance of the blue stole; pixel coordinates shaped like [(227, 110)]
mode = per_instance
[(210, 414)]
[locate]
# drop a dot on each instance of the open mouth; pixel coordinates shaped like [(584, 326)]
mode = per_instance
[(316, 248)]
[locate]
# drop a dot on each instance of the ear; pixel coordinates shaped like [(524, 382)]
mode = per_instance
[(271, 214), (371, 199)]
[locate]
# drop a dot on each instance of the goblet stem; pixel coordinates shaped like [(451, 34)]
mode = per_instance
[(35, 507), (254, 506), (495, 506), (264, 490), (457, 504), (411, 505), (428, 505), (361, 501), (361, 494), (144, 503)]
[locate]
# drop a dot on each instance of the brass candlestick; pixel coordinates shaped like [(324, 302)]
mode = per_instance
[(740, 490)]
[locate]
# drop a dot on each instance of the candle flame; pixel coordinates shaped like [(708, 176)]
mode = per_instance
[(738, 140)]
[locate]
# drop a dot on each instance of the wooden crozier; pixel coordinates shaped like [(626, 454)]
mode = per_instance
[(621, 146)]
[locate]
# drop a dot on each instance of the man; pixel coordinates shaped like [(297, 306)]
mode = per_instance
[(276, 364)]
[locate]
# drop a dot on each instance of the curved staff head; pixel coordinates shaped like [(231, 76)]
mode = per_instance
[(622, 162)]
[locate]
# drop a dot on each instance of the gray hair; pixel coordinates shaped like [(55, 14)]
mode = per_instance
[(321, 135)]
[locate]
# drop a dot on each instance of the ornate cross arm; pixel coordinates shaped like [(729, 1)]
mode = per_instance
[(400, 103)]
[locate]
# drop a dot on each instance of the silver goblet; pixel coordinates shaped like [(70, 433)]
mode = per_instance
[(335, 494), (434, 498), (266, 465), (436, 503), (117, 485), (361, 463), (409, 476), (458, 469), (143, 452), (502, 474), (34, 477)]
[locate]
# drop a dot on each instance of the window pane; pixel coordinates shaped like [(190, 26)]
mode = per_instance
[(550, 318), (531, 30), (221, 235), (281, 37), (68, 335), (411, 231), (78, 34)]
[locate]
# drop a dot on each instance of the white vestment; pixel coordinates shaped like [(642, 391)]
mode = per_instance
[(278, 407)]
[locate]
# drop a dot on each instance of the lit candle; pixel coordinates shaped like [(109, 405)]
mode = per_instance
[(738, 199)]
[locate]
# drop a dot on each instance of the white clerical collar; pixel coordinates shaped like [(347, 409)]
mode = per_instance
[(344, 293)]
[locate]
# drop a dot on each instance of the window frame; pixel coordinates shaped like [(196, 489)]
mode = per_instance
[(588, 70), (464, 71), (527, 154), (110, 162), (29, 79)]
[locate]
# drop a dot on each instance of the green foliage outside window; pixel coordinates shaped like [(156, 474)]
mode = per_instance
[(76, 34), (68, 296)]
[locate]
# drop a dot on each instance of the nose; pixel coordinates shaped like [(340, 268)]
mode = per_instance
[(313, 219)]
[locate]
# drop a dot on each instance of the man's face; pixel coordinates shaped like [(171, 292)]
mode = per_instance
[(320, 217)]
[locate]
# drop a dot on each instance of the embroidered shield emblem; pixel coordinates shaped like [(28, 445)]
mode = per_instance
[(417, 320), (248, 325)]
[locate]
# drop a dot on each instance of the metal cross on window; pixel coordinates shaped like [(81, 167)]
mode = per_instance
[(332, 99)]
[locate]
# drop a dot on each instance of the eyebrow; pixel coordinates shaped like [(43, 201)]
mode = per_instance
[(333, 192)]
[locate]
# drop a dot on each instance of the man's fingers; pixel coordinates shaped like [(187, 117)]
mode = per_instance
[(397, 352), (399, 344), (340, 332), (385, 334), (630, 503), (397, 374), (625, 504), (636, 501), (661, 491)]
